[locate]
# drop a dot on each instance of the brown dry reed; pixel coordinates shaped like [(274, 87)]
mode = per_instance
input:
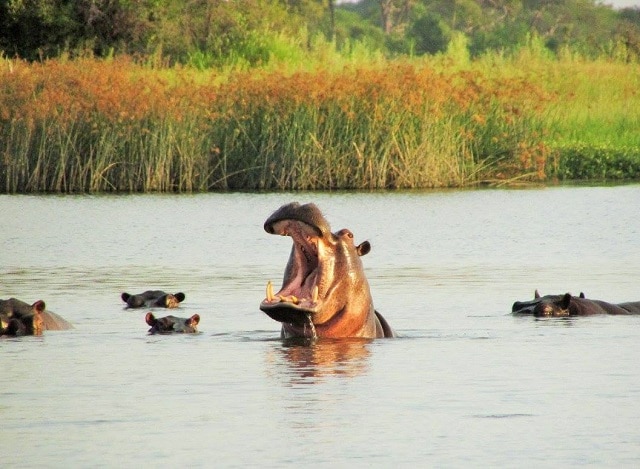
[(92, 125)]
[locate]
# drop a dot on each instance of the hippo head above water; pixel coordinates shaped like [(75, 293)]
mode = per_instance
[(18, 318), (169, 324), (531, 307), (324, 292), (153, 298)]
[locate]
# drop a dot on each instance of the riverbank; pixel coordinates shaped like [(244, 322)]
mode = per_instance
[(91, 125)]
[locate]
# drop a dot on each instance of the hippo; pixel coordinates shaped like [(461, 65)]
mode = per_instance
[(170, 324), (527, 307), (19, 318), (324, 293), (153, 298), (569, 305)]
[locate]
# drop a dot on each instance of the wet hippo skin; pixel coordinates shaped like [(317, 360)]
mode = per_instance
[(324, 293)]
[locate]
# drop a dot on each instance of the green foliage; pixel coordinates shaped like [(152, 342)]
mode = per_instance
[(249, 33), (429, 35), (597, 162), (34, 28), (350, 27)]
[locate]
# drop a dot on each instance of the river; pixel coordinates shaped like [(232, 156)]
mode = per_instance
[(466, 384)]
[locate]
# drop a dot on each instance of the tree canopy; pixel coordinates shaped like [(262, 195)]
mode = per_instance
[(216, 32)]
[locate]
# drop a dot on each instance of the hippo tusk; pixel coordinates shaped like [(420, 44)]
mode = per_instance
[(269, 291), (314, 294)]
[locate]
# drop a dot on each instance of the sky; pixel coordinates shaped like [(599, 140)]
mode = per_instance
[(622, 3)]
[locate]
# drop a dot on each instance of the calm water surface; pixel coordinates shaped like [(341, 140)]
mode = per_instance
[(466, 385)]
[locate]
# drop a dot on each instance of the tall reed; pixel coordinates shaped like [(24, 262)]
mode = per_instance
[(91, 126), (591, 125)]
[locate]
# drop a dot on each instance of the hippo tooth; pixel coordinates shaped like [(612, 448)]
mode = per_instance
[(289, 299), (314, 294), (269, 291)]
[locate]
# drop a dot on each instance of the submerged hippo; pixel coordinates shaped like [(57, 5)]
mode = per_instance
[(153, 298), (170, 324), (324, 292), (527, 307), (19, 318), (569, 305)]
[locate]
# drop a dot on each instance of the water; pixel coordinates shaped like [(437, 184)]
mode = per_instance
[(466, 385)]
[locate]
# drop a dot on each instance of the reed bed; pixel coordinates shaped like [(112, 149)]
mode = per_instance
[(92, 125), (592, 124), (597, 127)]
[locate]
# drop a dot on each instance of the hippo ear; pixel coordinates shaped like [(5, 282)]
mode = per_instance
[(125, 297), (150, 319), (363, 248), (193, 320), (566, 301), (582, 295), (38, 306), (180, 297), (536, 294)]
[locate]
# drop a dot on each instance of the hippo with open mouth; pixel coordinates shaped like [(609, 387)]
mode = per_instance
[(325, 293)]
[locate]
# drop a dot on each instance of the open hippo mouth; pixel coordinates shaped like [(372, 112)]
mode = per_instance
[(302, 289)]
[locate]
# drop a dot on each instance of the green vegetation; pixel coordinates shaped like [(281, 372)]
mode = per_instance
[(162, 95), (254, 32)]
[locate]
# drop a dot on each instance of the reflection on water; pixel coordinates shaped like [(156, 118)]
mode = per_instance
[(467, 381), (306, 361)]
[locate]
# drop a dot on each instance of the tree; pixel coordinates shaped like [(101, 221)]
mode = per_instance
[(395, 14), (429, 34), (33, 28)]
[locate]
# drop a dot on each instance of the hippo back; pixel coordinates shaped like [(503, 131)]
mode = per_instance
[(632, 307), (54, 322), (386, 328)]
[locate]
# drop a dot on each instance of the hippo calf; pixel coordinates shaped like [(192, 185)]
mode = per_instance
[(18, 318), (153, 298), (169, 324), (324, 293)]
